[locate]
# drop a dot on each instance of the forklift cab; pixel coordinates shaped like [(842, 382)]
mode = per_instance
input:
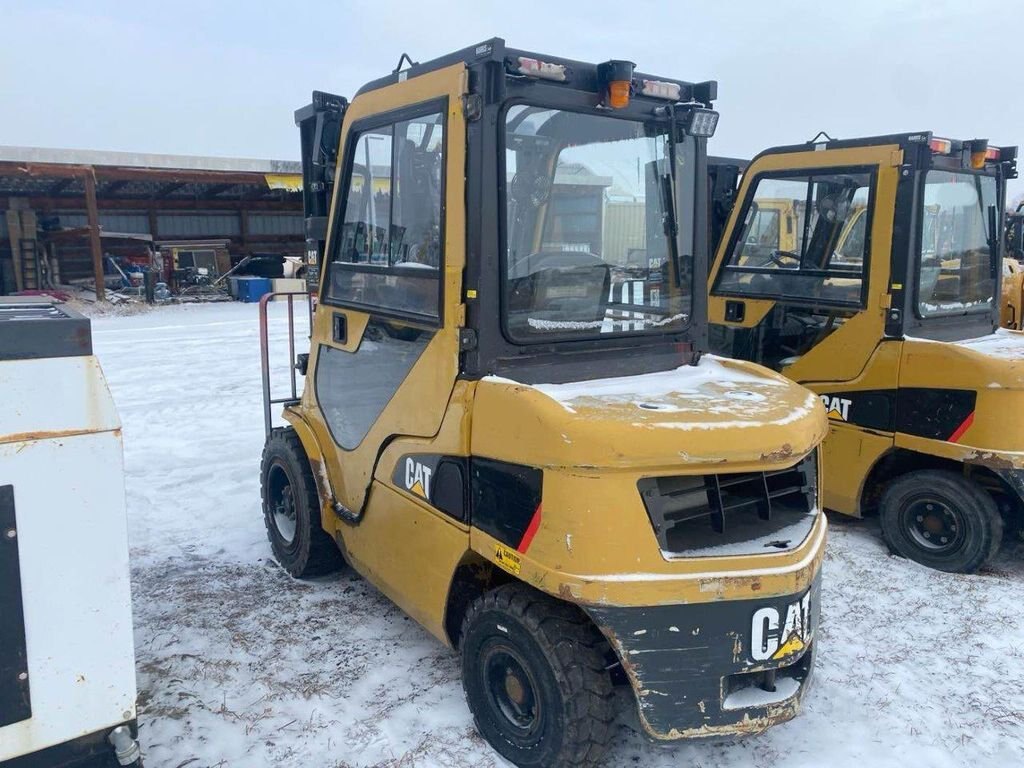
[(507, 424), (884, 266)]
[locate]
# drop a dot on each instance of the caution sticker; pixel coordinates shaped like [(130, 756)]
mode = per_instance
[(507, 558)]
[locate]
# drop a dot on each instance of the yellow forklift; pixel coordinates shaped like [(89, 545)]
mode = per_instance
[(886, 304), (514, 437), (1013, 270)]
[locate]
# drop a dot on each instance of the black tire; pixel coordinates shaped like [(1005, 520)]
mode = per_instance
[(941, 519), (535, 676), (291, 509)]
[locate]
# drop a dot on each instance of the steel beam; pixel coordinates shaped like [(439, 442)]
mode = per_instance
[(94, 236)]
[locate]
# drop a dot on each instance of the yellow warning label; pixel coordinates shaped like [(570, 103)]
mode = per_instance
[(794, 644), (507, 558)]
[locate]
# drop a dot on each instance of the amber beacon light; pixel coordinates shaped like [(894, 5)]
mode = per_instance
[(618, 77)]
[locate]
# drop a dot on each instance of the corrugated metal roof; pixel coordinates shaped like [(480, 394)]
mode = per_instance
[(145, 160)]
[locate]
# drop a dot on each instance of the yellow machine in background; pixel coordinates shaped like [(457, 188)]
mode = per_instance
[(1012, 304), (507, 425), (888, 308)]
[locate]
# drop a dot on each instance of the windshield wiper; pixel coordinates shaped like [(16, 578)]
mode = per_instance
[(668, 189)]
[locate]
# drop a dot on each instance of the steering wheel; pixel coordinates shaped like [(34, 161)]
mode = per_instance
[(779, 258)]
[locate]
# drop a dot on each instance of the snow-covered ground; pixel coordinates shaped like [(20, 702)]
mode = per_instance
[(239, 665)]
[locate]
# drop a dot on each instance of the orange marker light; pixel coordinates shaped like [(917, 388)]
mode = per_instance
[(617, 75), (941, 146), (618, 94), (979, 149)]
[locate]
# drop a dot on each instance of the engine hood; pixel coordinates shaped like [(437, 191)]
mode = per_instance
[(991, 370), (995, 361), (717, 412)]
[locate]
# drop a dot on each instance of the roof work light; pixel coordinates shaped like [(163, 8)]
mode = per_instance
[(701, 122)]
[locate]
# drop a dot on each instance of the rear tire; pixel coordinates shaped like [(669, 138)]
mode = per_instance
[(291, 509), (535, 678), (941, 519)]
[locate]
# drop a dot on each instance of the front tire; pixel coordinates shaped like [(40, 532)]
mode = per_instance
[(535, 677), (941, 519), (291, 508)]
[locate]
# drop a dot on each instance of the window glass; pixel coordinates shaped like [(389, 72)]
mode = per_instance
[(353, 388), (803, 238), (388, 253), (589, 202), (957, 265)]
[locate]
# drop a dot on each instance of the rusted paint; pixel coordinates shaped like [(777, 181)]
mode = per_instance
[(993, 460), (780, 454), (53, 434), (737, 648), (777, 713)]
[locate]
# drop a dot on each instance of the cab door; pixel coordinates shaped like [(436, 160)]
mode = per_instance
[(384, 355), (808, 293)]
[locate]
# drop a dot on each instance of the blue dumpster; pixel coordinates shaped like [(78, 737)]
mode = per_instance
[(252, 288)]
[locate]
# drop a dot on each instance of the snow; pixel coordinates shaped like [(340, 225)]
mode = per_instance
[(1003, 344), (239, 665), (752, 696), (686, 379)]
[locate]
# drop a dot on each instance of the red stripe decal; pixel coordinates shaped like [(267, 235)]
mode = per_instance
[(531, 531), (955, 437)]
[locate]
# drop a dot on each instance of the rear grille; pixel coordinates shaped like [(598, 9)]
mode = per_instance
[(732, 514)]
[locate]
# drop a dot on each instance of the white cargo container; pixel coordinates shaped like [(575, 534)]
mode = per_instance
[(67, 664)]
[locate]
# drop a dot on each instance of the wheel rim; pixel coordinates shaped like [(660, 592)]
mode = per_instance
[(933, 525), (282, 504), (512, 693)]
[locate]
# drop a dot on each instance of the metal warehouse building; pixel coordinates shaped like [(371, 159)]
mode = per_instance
[(63, 211)]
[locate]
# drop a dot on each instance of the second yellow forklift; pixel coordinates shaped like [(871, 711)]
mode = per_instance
[(884, 299)]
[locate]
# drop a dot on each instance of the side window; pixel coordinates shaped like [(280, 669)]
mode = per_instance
[(803, 238), (388, 253)]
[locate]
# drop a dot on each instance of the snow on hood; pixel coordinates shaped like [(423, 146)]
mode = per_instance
[(717, 388), (1004, 344)]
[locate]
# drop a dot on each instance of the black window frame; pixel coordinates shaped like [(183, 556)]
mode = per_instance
[(437, 105), (996, 261), (502, 226), (871, 170)]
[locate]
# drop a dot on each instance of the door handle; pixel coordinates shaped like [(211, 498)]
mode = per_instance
[(340, 329), (735, 311)]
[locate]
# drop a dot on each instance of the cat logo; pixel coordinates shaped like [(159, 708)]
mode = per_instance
[(417, 478), (837, 407), (772, 639)]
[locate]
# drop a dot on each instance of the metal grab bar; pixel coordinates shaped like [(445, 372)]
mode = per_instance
[(268, 401)]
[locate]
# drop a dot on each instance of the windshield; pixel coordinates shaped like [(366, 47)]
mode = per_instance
[(957, 264), (588, 249)]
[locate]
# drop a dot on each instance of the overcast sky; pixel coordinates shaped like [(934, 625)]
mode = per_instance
[(223, 78)]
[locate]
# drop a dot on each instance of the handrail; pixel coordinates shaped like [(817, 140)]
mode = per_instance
[(268, 401)]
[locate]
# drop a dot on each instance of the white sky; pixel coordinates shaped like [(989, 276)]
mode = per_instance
[(223, 78)]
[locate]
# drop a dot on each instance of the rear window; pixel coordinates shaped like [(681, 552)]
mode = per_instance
[(957, 273)]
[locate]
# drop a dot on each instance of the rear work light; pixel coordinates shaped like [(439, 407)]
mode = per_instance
[(544, 70), (992, 154), (702, 122), (659, 89), (941, 146)]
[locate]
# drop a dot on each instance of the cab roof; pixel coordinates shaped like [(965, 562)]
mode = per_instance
[(582, 75)]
